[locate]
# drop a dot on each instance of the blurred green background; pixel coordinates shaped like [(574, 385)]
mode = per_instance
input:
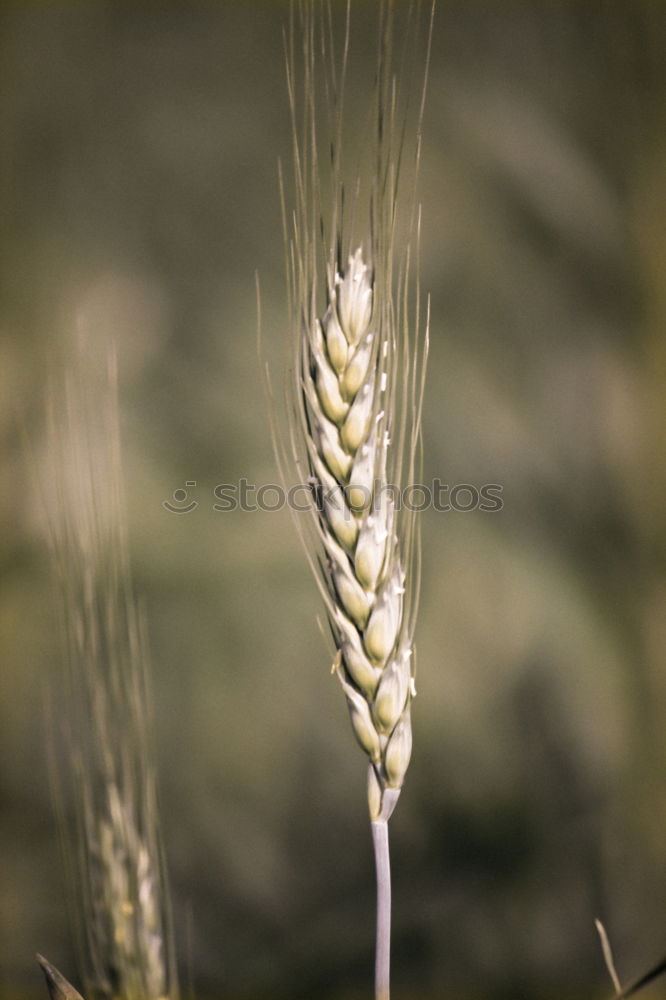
[(139, 196)]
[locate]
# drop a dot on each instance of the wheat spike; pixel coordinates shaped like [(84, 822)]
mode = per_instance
[(360, 351), (345, 367)]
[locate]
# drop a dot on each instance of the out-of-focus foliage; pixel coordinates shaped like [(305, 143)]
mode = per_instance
[(139, 196)]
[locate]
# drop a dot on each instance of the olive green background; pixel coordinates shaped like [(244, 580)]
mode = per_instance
[(139, 196)]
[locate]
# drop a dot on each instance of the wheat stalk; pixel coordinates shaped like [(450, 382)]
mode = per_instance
[(114, 852), (355, 430)]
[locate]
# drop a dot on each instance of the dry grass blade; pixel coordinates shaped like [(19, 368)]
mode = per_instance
[(638, 984), (608, 955), (59, 988)]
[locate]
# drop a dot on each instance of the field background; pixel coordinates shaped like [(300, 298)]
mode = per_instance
[(139, 195)]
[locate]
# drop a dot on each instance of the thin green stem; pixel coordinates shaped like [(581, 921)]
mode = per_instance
[(380, 842)]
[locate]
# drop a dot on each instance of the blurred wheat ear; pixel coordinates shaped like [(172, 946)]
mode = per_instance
[(359, 352), (101, 702)]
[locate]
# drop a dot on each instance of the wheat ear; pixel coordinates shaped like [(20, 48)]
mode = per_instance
[(346, 398), (359, 371), (113, 851)]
